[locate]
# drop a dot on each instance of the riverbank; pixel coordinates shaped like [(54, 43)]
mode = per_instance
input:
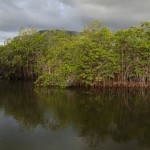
[(113, 85), (96, 57)]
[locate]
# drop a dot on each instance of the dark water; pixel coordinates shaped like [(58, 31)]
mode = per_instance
[(53, 119)]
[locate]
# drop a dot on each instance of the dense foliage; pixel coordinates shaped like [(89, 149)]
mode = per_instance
[(94, 57)]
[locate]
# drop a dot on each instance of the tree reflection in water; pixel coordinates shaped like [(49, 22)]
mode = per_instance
[(121, 115)]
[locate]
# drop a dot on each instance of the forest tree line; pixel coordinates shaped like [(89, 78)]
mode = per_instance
[(94, 57)]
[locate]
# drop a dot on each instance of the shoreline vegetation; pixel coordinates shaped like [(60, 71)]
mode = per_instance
[(95, 57)]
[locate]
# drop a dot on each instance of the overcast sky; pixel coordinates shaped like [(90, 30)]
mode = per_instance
[(69, 14)]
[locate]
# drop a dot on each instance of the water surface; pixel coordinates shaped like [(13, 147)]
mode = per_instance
[(58, 119)]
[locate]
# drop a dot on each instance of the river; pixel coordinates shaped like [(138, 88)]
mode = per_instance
[(34, 118)]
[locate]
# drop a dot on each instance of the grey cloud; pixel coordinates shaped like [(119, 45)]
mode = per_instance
[(70, 14), (68, 2), (38, 14), (116, 13)]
